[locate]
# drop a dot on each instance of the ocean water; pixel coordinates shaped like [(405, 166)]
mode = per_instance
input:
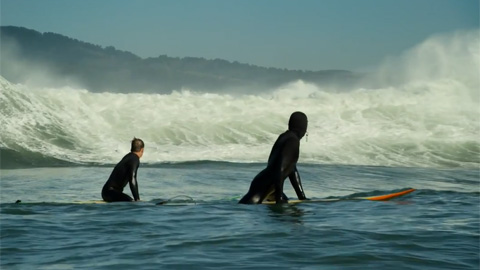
[(415, 123), (435, 227)]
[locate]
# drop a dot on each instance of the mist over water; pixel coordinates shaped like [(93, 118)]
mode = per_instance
[(420, 109)]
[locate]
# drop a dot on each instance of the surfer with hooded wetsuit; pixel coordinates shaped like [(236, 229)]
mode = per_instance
[(282, 163), (125, 172)]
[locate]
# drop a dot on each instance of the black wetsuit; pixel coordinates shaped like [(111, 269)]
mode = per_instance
[(268, 184), (124, 172)]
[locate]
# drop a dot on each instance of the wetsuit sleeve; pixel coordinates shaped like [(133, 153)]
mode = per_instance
[(278, 185), (297, 184), (289, 156), (133, 180)]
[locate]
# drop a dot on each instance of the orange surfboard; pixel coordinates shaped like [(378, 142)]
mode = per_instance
[(390, 196), (385, 197)]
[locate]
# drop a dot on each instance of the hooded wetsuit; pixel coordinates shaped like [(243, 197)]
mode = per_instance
[(282, 163), (124, 172)]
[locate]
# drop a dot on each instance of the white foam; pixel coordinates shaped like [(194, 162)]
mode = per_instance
[(410, 121)]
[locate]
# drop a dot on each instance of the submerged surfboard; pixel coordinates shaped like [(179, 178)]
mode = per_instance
[(177, 200), (385, 197), (191, 201), (63, 203), (90, 202)]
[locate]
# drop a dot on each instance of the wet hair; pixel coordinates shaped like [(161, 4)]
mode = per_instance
[(137, 145)]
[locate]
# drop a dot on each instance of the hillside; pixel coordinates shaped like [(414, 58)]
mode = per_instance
[(54, 60)]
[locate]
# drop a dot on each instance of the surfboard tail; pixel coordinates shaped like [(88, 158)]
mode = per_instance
[(389, 196)]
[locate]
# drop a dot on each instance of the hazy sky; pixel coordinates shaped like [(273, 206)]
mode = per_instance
[(293, 34)]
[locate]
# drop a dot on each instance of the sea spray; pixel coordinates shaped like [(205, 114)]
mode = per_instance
[(410, 113)]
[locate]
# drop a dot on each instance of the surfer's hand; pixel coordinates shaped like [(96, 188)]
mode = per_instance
[(282, 200)]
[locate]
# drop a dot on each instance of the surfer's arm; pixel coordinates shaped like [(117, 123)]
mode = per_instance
[(133, 181), (278, 188), (289, 157), (277, 175), (297, 184)]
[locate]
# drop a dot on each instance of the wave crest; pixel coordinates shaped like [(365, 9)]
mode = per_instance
[(422, 110)]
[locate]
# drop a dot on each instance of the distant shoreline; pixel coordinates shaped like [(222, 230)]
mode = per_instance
[(55, 60)]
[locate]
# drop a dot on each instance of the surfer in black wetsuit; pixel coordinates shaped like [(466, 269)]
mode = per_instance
[(124, 172), (282, 163)]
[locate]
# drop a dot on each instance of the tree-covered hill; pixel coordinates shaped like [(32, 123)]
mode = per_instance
[(56, 60)]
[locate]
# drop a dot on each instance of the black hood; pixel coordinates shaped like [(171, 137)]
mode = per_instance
[(298, 123)]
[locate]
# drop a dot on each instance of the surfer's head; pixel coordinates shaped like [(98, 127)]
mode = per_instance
[(137, 146), (298, 123)]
